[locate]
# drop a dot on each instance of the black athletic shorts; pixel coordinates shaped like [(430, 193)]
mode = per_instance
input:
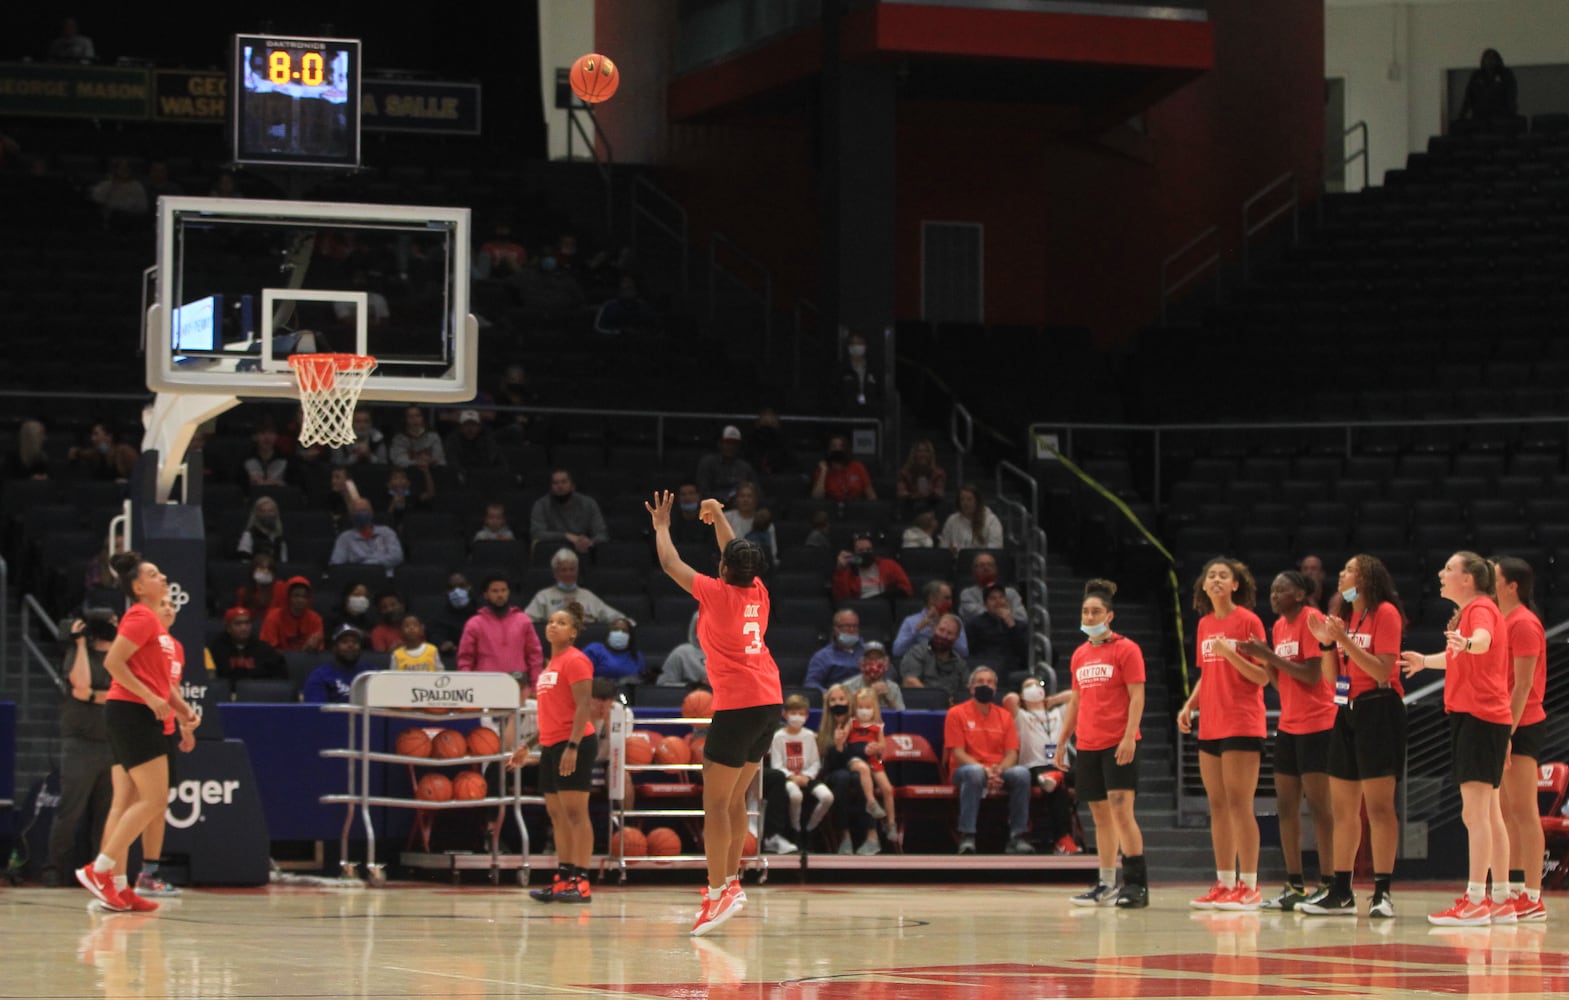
[(1477, 748), (1096, 773), (1229, 744), (174, 752), (135, 733), (741, 736), (551, 780), (1369, 738), (1528, 740), (1297, 754)]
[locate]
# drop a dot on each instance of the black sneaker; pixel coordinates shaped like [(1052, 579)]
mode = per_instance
[(1333, 904), (1288, 899), (547, 894), (573, 891), (1383, 906), (1133, 897)]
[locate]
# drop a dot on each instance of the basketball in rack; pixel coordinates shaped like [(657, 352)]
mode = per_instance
[(330, 385)]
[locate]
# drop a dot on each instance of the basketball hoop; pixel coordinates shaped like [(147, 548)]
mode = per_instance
[(330, 385)]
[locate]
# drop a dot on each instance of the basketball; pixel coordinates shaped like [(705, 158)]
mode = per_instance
[(434, 788), (631, 843), (663, 842), (594, 78), (696, 705), (640, 749), (484, 742), (696, 741), (469, 785), (412, 743), (450, 743), (673, 750), (748, 849)]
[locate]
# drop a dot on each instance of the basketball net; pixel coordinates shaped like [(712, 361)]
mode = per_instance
[(330, 385)]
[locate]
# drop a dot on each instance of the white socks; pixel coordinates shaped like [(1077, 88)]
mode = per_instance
[(103, 863)]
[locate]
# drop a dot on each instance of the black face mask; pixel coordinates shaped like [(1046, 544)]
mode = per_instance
[(561, 497), (984, 694), (839, 457), (839, 709), (866, 559)]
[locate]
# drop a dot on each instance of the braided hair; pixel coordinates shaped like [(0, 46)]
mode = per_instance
[(743, 562)]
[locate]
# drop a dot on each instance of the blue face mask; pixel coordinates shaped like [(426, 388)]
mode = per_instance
[(1349, 594), (691, 508), (847, 639), (1095, 631), (568, 587), (618, 641), (459, 597), (362, 520)]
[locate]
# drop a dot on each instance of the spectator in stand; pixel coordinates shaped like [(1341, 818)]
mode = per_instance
[(340, 490), (495, 528), (874, 677), (501, 255), (158, 183), (414, 653), (514, 391), (840, 477), (1492, 94), (446, 629), (617, 657), (331, 683), (840, 660), (367, 543), (935, 663), (997, 638), (922, 482), (767, 449), (863, 573), (369, 447), (1322, 596), (416, 443), (99, 574), (402, 496), (72, 45), (471, 445), (687, 664), (120, 195), (865, 745), (294, 626), (972, 599), (793, 766), (549, 600), (236, 653), (387, 634), (983, 747), (103, 458), (261, 593), (565, 516), (628, 312), (918, 627), (833, 746), (263, 532), (1038, 719), (354, 608), (860, 388), (266, 465), (686, 524), (29, 460), (500, 638), (753, 523), (227, 185), (922, 532), (821, 535), (721, 473), (972, 526)]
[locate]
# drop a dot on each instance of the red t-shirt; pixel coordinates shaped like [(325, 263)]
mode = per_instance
[(1229, 704), (1379, 634), (154, 650), (1526, 638), (984, 737), (730, 626), (176, 669), (1304, 708), (1101, 675), (847, 483), (554, 693), (1478, 683)]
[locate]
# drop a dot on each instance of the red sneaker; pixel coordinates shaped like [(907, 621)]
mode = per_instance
[(1504, 912), (136, 903), (715, 911), (1528, 912), (1463, 914), (1209, 899), (101, 885), (734, 885), (1240, 898), (1067, 845)]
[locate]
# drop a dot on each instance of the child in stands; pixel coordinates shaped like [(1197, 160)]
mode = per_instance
[(866, 742)]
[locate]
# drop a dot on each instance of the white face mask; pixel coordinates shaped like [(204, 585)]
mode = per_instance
[(795, 721), (856, 350), (864, 714), (357, 605), (262, 578), (1034, 695)]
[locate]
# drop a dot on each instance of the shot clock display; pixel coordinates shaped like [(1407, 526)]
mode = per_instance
[(296, 101)]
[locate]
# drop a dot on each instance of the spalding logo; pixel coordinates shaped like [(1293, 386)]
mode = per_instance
[(195, 794)]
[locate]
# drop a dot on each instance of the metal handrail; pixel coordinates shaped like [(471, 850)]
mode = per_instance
[(1250, 229), (1169, 288), (1361, 154), (679, 233), (961, 447), (31, 610), (717, 240)]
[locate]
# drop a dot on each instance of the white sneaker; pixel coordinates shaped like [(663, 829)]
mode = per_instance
[(875, 810), (778, 845), (845, 846), (869, 846)]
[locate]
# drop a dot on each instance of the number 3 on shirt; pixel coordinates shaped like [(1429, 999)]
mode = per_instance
[(755, 630)]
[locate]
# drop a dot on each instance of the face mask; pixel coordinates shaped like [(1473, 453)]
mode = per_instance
[(838, 457), (984, 694), (690, 508), (866, 559), (873, 671), (840, 710), (568, 587), (941, 644), (795, 721), (103, 447), (943, 606), (847, 639), (357, 605), (1034, 695), (1349, 594), (398, 491), (263, 521), (1094, 631), (262, 579), (856, 350), (458, 597), (362, 520), (618, 641), (986, 577), (863, 714), (392, 615), (547, 264)]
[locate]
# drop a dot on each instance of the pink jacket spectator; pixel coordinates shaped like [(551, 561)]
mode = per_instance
[(501, 643)]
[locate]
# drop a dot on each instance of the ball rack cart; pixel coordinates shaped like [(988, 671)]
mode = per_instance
[(410, 695), (619, 773)]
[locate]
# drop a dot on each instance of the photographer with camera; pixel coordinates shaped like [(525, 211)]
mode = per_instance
[(85, 758)]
